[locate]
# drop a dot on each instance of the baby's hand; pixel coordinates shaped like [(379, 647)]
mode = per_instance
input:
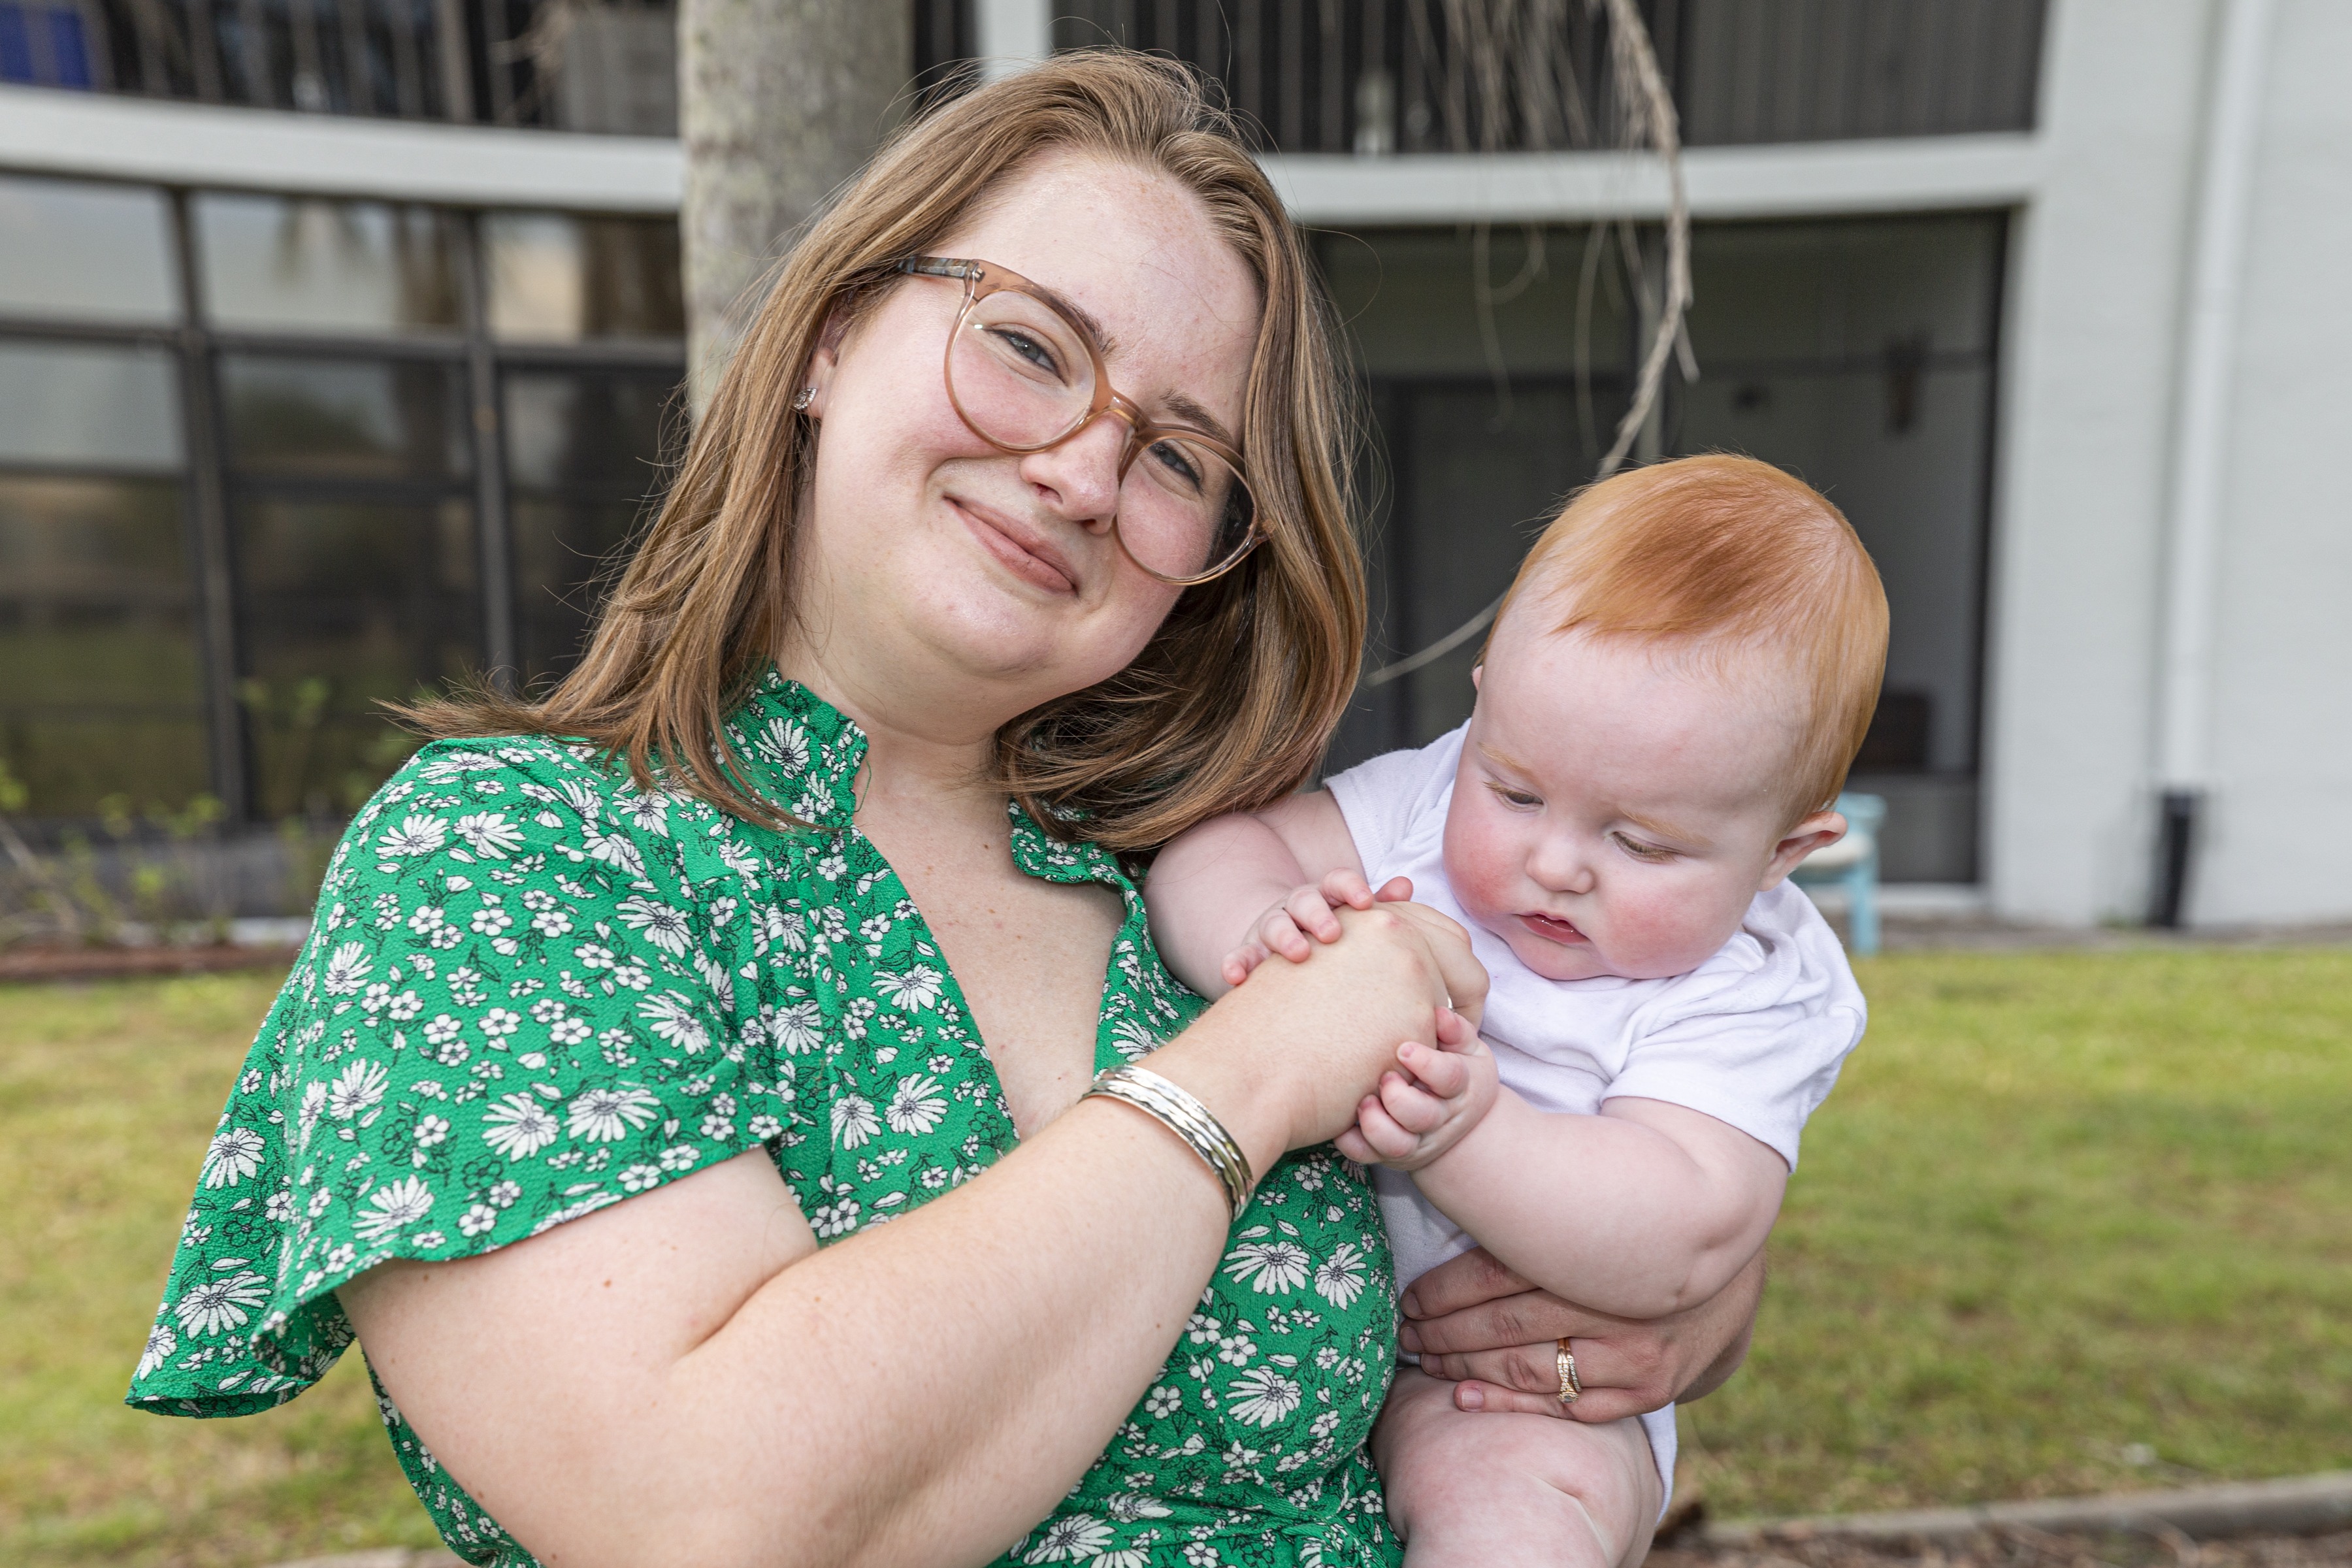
[(1422, 1112), (1307, 913)]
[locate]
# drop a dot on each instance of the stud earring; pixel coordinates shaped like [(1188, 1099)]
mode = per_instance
[(801, 399)]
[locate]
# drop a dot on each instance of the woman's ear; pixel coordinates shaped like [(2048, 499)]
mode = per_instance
[(822, 361)]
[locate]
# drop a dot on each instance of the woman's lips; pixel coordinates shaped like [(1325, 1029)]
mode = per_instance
[(1032, 562), (1552, 928)]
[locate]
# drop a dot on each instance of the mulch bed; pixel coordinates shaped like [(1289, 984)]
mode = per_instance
[(2013, 1546), (34, 963)]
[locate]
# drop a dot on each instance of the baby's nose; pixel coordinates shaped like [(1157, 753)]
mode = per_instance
[(1560, 865)]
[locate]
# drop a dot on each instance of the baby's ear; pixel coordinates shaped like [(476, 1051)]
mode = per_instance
[(1818, 831), (1475, 671)]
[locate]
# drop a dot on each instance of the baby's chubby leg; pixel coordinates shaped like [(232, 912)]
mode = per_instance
[(1487, 1488)]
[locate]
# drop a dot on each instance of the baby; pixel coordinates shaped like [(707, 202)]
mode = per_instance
[(1666, 709)]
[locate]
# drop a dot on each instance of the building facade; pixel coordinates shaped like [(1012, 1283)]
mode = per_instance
[(338, 342)]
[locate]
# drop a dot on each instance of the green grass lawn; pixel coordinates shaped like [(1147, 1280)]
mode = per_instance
[(2064, 1210)]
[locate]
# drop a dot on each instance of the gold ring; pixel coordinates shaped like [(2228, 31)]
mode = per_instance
[(1570, 1388)]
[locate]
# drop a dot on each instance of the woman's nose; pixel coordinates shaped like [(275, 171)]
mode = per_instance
[(1081, 472)]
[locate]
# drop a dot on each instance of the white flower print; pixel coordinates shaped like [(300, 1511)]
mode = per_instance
[(798, 1028), (917, 1107), (1341, 1277), (396, 1203), (854, 1120), (160, 1343), (359, 1087), (1133, 1038), (672, 1017), (664, 927), (1269, 1267), (216, 1304), (648, 812), (603, 1115), (918, 987), (489, 833), (612, 849), (784, 744), (414, 836), (1129, 1507), (519, 1126), (1163, 1400), (1262, 1396), (235, 1154), (477, 1219), (347, 970), (1070, 1538)]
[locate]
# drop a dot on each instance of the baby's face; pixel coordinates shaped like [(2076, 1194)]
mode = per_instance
[(1615, 811)]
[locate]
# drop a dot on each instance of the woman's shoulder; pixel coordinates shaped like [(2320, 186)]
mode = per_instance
[(518, 1004)]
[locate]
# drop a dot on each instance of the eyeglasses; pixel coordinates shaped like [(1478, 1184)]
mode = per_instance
[(1025, 376)]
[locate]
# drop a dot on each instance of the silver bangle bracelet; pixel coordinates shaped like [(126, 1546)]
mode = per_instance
[(1180, 1113)]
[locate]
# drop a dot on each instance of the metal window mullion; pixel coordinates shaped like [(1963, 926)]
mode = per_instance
[(205, 506), (493, 537)]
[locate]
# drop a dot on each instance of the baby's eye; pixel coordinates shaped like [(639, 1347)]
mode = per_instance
[(1641, 851), (1514, 798)]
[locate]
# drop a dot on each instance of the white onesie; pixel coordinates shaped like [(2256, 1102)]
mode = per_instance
[(1754, 1037)]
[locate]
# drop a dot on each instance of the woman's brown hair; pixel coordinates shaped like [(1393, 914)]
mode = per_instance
[(1226, 708)]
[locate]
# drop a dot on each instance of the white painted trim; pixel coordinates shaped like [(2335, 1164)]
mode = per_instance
[(1010, 34), (48, 131), (1819, 179), (2207, 390)]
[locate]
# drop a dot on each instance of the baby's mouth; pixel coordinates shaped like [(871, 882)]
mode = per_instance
[(1552, 928)]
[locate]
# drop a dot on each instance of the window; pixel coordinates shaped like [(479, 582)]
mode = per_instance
[(358, 478)]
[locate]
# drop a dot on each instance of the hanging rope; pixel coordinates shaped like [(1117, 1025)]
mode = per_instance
[(1650, 120)]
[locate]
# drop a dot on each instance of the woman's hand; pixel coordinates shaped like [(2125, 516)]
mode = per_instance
[(1475, 1322), (1285, 1060)]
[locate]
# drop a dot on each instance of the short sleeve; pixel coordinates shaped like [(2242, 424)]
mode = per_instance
[(1756, 1036), (1382, 798), (515, 1008)]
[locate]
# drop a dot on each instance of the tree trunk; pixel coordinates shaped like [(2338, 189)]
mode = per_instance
[(780, 103)]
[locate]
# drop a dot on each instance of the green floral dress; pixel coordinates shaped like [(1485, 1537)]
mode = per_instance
[(533, 990)]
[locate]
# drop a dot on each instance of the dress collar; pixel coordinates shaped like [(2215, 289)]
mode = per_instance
[(803, 753), (800, 751)]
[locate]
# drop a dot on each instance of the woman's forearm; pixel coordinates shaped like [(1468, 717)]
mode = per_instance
[(922, 1392)]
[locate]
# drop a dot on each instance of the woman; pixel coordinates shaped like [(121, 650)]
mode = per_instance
[(797, 909)]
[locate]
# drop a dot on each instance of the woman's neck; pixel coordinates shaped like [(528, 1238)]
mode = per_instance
[(931, 746)]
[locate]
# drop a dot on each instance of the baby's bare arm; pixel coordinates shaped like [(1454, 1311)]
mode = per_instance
[(1210, 888), (1639, 1211)]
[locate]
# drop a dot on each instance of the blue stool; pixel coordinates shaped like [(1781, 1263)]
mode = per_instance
[(1851, 863)]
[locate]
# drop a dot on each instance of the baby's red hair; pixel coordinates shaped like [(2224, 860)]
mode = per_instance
[(1721, 556)]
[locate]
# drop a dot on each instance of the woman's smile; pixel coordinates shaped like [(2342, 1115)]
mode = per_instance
[(1020, 548)]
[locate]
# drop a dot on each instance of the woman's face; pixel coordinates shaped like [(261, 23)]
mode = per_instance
[(935, 565)]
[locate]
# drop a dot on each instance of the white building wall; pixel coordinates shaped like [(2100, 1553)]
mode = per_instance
[(2093, 330), (2279, 846)]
